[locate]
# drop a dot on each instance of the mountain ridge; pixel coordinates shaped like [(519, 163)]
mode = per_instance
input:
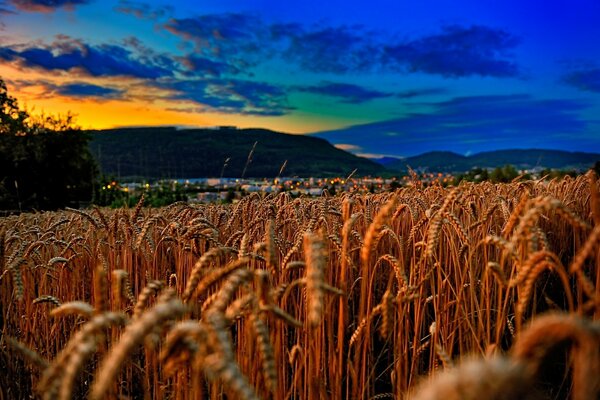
[(169, 152), (447, 161)]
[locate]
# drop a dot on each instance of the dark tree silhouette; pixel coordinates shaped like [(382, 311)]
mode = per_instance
[(45, 162)]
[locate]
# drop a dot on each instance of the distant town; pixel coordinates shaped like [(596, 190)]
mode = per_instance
[(223, 190)]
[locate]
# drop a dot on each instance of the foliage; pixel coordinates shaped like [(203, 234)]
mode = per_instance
[(558, 173), (45, 162), (474, 175), (12, 119), (504, 174), (111, 194)]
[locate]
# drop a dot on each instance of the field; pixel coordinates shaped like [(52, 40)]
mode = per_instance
[(354, 296)]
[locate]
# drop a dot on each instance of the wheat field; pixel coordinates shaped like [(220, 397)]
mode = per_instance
[(476, 291)]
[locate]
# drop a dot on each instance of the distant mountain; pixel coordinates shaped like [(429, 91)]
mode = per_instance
[(445, 161), (434, 160), (193, 153), (385, 161), (537, 158)]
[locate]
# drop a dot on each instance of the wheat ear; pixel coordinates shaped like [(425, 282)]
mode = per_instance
[(198, 270), (50, 376), (548, 334), (132, 337), (316, 260)]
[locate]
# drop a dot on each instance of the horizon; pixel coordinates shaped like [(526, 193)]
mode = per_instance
[(374, 157), (384, 80)]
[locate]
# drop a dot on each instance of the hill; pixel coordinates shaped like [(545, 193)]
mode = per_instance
[(445, 161), (434, 160), (192, 153)]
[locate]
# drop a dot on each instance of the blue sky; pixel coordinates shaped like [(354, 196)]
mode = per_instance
[(375, 78)]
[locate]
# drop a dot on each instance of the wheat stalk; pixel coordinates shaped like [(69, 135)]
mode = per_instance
[(132, 337)]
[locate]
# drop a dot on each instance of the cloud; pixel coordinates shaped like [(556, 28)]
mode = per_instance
[(409, 94), (346, 92), (86, 90), (47, 6), (348, 147), (104, 60), (241, 39), (205, 67), (143, 10), (585, 79), (231, 96), (331, 49), (477, 123), (44, 89), (456, 52), (192, 79), (246, 40)]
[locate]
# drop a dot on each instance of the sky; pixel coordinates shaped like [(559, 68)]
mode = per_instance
[(377, 78)]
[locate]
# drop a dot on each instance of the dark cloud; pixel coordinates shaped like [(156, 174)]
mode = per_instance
[(246, 40), (143, 10), (409, 94), (193, 78), (239, 39), (456, 52), (229, 96), (149, 56), (103, 60), (86, 90), (331, 49), (205, 67), (47, 6), (346, 92), (584, 79), (475, 124), (80, 90)]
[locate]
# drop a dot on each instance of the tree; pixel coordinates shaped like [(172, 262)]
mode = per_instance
[(12, 119), (45, 162), (504, 174)]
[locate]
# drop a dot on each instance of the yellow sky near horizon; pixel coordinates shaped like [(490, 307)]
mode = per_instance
[(144, 107)]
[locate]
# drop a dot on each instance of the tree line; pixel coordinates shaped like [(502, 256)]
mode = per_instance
[(45, 162)]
